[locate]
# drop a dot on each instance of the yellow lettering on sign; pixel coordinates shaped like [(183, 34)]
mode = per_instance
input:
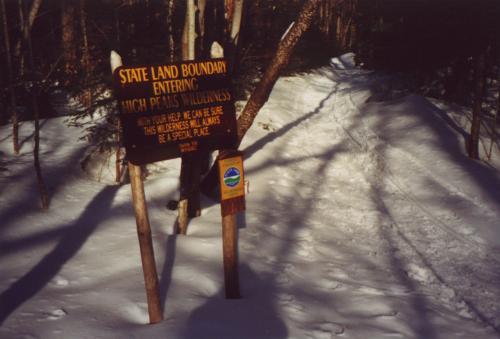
[(164, 72), (203, 68), (134, 105), (174, 86), (150, 130), (205, 97), (131, 75), (164, 102)]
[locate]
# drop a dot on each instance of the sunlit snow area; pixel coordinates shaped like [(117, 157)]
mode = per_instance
[(365, 219)]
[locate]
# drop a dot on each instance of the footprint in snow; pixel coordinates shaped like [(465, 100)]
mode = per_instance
[(71, 198), (290, 305), (60, 281), (338, 274), (285, 298), (326, 331), (305, 234), (328, 284), (306, 251), (282, 279), (56, 314), (294, 309), (370, 290)]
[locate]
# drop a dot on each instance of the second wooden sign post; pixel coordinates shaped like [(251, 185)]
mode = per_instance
[(232, 192)]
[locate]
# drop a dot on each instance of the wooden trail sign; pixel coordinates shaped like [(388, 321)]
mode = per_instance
[(232, 188), (172, 109)]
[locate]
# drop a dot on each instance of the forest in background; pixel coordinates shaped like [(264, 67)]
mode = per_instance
[(448, 48)]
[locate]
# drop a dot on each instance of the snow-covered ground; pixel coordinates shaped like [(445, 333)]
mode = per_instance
[(365, 219)]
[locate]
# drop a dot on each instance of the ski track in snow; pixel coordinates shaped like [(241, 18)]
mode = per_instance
[(334, 243)]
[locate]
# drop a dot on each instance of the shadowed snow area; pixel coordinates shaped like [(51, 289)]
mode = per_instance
[(365, 219)]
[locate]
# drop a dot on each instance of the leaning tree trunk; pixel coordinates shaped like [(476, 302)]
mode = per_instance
[(478, 100), (44, 198), (261, 93), (285, 48), (10, 79)]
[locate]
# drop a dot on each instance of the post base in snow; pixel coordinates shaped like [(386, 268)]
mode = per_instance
[(230, 257)]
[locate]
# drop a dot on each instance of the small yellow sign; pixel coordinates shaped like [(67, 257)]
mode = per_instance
[(232, 183)]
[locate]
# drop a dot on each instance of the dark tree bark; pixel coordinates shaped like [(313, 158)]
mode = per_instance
[(86, 64), (170, 30), (26, 24), (497, 116), (10, 79), (479, 69), (68, 38)]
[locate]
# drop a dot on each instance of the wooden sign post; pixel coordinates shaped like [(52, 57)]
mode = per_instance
[(143, 230), (145, 244), (232, 188)]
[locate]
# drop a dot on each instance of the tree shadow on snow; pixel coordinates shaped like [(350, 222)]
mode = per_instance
[(70, 243), (252, 316), (259, 144)]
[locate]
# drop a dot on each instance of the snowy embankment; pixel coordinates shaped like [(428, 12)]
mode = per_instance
[(364, 219)]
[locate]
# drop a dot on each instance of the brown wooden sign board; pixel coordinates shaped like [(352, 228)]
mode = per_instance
[(171, 109)]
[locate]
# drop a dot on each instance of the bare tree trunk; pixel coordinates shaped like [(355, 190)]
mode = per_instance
[(189, 33), (44, 198), (497, 117), (87, 93), (10, 79), (263, 89), (236, 22), (190, 164), (326, 18), (170, 30), (228, 13), (478, 100), (68, 39), (33, 12), (353, 28), (200, 18)]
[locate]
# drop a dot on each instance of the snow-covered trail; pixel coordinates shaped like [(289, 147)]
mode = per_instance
[(443, 207), (354, 186), (352, 229)]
